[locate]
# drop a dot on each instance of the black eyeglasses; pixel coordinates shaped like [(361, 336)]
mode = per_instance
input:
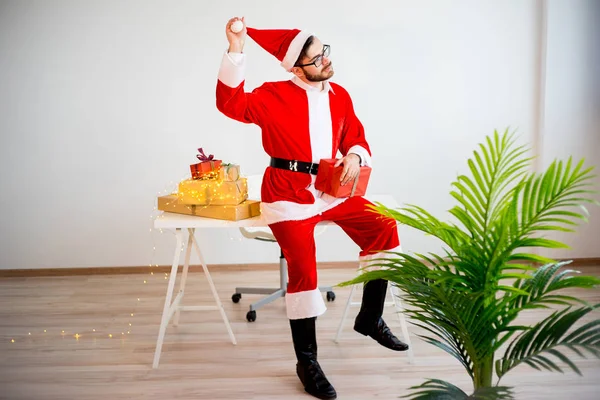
[(318, 59)]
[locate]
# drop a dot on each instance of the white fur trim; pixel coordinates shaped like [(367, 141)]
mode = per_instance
[(233, 69), (293, 52), (306, 304), (289, 211), (365, 158), (365, 261)]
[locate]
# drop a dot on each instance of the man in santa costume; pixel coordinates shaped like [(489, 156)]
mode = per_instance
[(304, 120)]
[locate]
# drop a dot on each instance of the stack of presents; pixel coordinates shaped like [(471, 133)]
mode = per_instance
[(218, 190), (215, 190)]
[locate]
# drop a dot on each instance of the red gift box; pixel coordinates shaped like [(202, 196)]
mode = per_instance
[(208, 167), (205, 168), (328, 180)]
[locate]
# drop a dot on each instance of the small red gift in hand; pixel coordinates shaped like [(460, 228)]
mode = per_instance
[(328, 180), (207, 168)]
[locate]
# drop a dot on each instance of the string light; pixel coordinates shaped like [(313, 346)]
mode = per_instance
[(222, 186), (77, 336)]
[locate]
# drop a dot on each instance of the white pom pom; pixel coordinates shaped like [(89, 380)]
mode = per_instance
[(237, 26)]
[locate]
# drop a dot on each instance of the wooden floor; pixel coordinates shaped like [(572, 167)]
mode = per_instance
[(46, 361)]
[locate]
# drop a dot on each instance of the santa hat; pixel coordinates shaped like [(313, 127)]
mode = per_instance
[(284, 44)]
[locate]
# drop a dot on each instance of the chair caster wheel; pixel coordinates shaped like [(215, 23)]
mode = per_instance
[(236, 297), (330, 296), (251, 316)]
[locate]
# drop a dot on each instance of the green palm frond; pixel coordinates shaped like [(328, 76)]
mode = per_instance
[(545, 281), (538, 205), (466, 262), (545, 197), (418, 218), (482, 197), (440, 318), (436, 389), (404, 268), (538, 291), (534, 345)]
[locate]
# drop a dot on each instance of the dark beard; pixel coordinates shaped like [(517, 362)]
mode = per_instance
[(323, 76)]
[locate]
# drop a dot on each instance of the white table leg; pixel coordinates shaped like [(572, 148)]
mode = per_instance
[(345, 314), (166, 315), (214, 292), (403, 325), (186, 264)]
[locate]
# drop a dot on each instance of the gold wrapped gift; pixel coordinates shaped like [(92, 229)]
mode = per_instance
[(244, 210), (212, 192)]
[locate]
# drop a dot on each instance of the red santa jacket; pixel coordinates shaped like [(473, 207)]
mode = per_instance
[(281, 110)]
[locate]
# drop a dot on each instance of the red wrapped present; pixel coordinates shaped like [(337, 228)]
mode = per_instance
[(207, 168), (328, 180)]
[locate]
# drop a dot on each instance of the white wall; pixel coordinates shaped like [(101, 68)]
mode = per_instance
[(572, 104), (103, 104)]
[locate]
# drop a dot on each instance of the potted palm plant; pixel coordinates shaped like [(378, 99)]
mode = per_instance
[(468, 298)]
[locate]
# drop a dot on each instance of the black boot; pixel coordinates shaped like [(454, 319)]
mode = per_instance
[(369, 322), (307, 368)]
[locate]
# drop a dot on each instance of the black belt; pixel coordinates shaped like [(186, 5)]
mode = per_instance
[(295, 165)]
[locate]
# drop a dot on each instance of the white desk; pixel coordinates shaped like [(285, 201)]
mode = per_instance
[(178, 222)]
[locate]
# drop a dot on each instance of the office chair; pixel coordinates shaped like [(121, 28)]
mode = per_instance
[(265, 235)]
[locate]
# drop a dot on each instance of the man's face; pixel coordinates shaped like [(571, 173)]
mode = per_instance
[(322, 69)]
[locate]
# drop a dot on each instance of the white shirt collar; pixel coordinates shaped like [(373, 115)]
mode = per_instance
[(326, 86)]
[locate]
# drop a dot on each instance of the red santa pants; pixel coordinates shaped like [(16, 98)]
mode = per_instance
[(371, 231)]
